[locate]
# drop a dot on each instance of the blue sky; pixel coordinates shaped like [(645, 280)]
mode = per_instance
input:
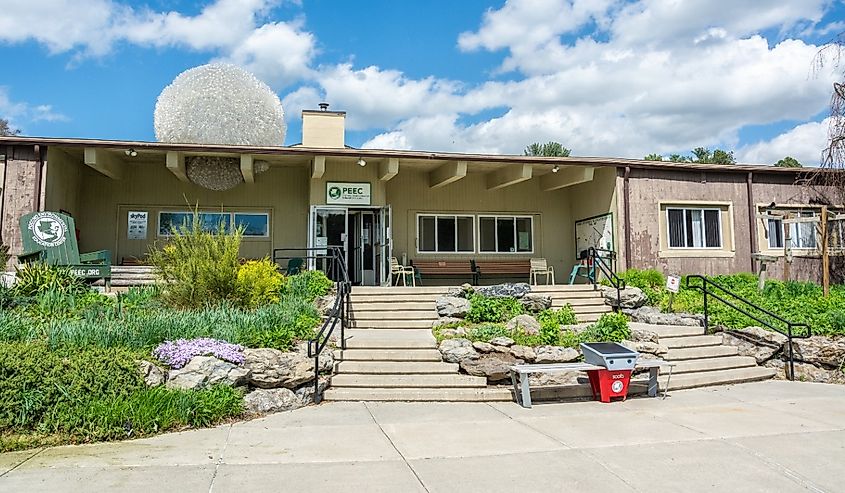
[(603, 77)]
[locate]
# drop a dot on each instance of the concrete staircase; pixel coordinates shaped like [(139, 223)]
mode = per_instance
[(702, 359), (391, 354)]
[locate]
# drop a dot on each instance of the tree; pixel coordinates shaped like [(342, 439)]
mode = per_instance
[(654, 157), (789, 162), (550, 149), (699, 155), (6, 129)]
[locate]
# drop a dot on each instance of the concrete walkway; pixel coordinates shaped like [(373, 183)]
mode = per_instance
[(769, 436)]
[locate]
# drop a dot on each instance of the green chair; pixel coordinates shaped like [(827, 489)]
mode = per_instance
[(294, 266), (50, 237)]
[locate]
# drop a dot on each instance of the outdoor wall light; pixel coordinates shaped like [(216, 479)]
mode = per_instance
[(361, 162), (131, 152), (556, 169)]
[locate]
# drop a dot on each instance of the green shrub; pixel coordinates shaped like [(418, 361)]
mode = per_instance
[(198, 267), (309, 285), (486, 331), (837, 321), (39, 277), (259, 283), (651, 281), (550, 322), (611, 327), (484, 309)]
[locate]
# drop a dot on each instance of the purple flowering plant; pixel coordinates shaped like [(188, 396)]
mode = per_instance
[(178, 353)]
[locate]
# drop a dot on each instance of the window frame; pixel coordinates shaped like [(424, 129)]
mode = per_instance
[(455, 216), (685, 207), (496, 218), (231, 224)]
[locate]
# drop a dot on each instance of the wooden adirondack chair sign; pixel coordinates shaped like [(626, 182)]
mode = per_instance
[(51, 237)]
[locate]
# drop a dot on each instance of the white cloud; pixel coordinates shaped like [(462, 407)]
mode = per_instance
[(20, 113), (804, 142)]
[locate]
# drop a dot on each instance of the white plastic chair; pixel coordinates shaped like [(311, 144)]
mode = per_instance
[(403, 271), (539, 266)]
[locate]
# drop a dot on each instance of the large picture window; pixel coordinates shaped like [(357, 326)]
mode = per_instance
[(506, 234), (440, 233), (254, 224), (801, 235), (694, 227)]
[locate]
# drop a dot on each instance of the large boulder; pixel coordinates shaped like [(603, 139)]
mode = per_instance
[(506, 290), (495, 366), (651, 315), (462, 291), (153, 375), (203, 371), (756, 342), (806, 372), (451, 306), (629, 297), (305, 394), (502, 341), (555, 354), (261, 401), (536, 302), (642, 335), (646, 347), (525, 353), (482, 347), (457, 350), (527, 323), (326, 357), (271, 368), (824, 351)]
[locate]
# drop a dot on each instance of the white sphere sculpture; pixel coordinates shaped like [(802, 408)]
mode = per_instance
[(218, 104)]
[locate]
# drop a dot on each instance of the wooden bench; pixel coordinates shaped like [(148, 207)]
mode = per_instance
[(522, 390), (443, 268), (500, 268)]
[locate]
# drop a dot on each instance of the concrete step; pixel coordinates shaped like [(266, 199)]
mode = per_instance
[(700, 352), (587, 308), (388, 355), (588, 317), (391, 324), (717, 377), (668, 330), (454, 380), (393, 315), (576, 302), (395, 367), (561, 288), (712, 364), (691, 341), (420, 395), (392, 290), (575, 295), (390, 339), (405, 306), (400, 298)]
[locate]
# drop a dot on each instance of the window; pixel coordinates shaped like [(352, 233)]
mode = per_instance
[(694, 228), (254, 224), (445, 233), (506, 234), (802, 235)]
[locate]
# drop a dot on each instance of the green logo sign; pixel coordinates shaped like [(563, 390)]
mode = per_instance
[(48, 229), (334, 192)]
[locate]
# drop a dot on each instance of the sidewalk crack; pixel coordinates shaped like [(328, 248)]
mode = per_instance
[(413, 471)]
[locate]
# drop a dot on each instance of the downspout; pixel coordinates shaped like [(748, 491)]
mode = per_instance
[(752, 219), (626, 196), (3, 191), (39, 165)]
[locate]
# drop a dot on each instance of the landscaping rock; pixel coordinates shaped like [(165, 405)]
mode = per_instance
[(495, 366), (651, 315), (271, 401), (451, 306), (646, 347), (523, 352), (152, 374), (457, 350), (463, 291), (828, 352), (506, 290), (502, 341), (641, 335), (577, 328), (756, 342), (445, 321), (271, 368), (457, 332), (555, 379), (483, 347), (555, 354), (326, 357), (536, 302), (527, 323), (305, 394), (203, 371), (628, 298), (806, 372)]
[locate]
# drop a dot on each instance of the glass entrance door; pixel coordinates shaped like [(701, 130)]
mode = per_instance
[(328, 230)]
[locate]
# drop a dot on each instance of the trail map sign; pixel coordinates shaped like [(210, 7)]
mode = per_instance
[(596, 232)]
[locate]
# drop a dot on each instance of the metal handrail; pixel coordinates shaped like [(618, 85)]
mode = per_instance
[(339, 313), (703, 287), (596, 260)]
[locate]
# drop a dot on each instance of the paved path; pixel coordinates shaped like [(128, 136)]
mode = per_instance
[(769, 436)]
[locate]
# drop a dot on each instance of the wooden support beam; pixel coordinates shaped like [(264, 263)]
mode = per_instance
[(447, 173), (566, 177), (318, 167), (507, 176), (248, 168), (388, 169), (176, 165), (104, 162)]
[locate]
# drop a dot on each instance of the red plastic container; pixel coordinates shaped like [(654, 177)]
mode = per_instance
[(609, 384)]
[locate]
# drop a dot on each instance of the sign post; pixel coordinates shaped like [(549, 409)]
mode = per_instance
[(673, 285)]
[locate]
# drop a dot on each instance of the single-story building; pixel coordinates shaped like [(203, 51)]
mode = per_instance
[(676, 217)]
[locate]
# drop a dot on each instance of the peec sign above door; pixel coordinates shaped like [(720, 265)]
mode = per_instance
[(338, 193)]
